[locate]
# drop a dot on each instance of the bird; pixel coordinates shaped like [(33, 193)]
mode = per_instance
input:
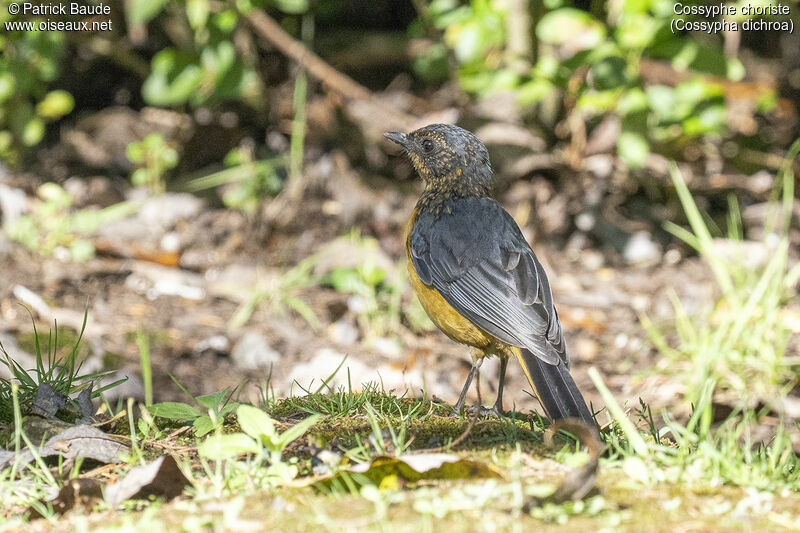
[(475, 274)]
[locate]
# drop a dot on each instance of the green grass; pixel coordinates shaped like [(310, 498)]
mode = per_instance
[(278, 292), (740, 341), (62, 372), (658, 472)]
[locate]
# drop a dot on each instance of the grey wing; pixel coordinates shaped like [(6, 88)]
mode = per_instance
[(493, 278)]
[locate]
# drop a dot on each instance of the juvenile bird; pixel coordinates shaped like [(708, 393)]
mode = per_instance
[(475, 274)]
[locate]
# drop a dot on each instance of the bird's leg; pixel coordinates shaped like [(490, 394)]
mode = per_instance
[(476, 364), (497, 409)]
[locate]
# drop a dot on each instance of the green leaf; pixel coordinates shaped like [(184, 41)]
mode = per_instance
[(55, 105), (598, 101), (284, 472), (534, 91), (175, 410), (569, 25), (709, 120), (736, 70), (7, 86), (212, 401), (24, 230), (204, 425), (345, 280), (197, 13), (633, 101), (226, 20), (297, 430), (143, 11), (256, 423), (293, 7), (636, 31), (81, 250), (469, 45), (139, 176), (609, 73), (218, 447), (33, 132), (53, 193), (144, 427), (633, 148), (174, 78), (663, 101), (231, 406)]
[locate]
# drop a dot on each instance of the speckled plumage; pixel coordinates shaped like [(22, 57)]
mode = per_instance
[(474, 273)]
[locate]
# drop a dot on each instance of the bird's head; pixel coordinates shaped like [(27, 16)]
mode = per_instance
[(446, 156)]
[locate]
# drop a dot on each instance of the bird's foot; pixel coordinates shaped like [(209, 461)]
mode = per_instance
[(457, 410), (483, 411)]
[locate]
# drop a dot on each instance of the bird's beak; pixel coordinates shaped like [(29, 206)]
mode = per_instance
[(399, 138)]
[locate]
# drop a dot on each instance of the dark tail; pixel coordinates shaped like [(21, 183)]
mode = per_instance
[(555, 388)]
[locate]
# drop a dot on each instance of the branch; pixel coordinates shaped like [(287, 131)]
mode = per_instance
[(334, 80)]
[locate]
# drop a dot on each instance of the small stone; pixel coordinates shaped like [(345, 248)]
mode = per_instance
[(592, 259), (672, 257), (621, 341), (5, 244), (171, 242), (600, 165), (216, 344), (96, 190), (357, 304), (385, 346), (605, 274), (641, 248), (253, 352), (585, 221), (640, 303), (343, 332), (13, 203), (166, 210)]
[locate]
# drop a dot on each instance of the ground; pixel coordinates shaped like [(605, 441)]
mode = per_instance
[(320, 302)]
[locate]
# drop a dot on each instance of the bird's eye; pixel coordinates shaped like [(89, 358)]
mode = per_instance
[(427, 145)]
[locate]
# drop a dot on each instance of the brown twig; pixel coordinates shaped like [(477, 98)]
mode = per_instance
[(334, 80)]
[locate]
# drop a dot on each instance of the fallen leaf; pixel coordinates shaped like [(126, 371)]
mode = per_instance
[(161, 477), (48, 401), (85, 404), (415, 467), (77, 441), (78, 492)]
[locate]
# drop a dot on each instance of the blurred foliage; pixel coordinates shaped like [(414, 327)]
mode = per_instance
[(255, 180), (246, 181), (199, 66), (29, 62), (597, 61), (278, 291), (200, 53), (375, 299), (376, 292), (741, 343), (202, 67), (51, 225), (154, 156)]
